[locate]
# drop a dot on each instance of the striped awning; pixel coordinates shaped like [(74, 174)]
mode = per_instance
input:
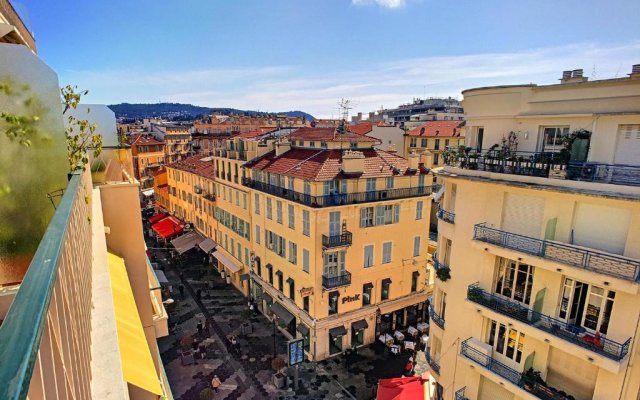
[(187, 241), (230, 264)]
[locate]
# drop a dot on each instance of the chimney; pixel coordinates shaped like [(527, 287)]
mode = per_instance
[(414, 160), (635, 71), (392, 148), (573, 76), (282, 147), (352, 162)]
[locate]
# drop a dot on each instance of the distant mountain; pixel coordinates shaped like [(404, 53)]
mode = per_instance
[(177, 111)]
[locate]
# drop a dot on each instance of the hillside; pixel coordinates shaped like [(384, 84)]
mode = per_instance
[(178, 111)]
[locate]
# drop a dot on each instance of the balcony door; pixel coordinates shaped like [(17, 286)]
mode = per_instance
[(334, 264), (334, 223), (586, 306)]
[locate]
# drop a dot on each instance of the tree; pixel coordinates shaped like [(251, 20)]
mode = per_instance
[(80, 134)]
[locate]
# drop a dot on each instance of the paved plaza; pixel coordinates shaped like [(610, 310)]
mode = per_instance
[(245, 369)]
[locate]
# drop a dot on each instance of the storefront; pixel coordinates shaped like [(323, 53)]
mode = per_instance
[(357, 332), (336, 337), (284, 318)]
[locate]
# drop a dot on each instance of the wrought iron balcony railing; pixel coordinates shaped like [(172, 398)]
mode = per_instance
[(446, 215), (437, 319), (540, 390), (592, 260), (571, 333), (435, 366), (331, 282), (616, 174), (341, 240), (337, 199), (460, 394)]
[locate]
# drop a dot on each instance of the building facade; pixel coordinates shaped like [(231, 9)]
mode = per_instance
[(177, 140), (539, 248), (433, 138), (148, 158)]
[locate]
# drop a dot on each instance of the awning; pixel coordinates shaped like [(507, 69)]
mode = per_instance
[(207, 245), (162, 278), (187, 241), (269, 266), (303, 329), (267, 297), (416, 273), (279, 273), (157, 218), (168, 227), (386, 281), (401, 389), (137, 365), (147, 192), (244, 277), (231, 265), (338, 331), (289, 280), (367, 286), (282, 313), (360, 324)]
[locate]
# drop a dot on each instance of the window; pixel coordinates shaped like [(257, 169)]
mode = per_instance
[(552, 137), (323, 144), (275, 243), (312, 144), (290, 183), (293, 253), (305, 260), (307, 188), (367, 288), (278, 211), (280, 281), (237, 198), (305, 303), (371, 185), (416, 246), (586, 305), (423, 142), (414, 281), (244, 201), (413, 142), (510, 345), (366, 217), (257, 203), (514, 280), (292, 216), (387, 214), (437, 145), (368, 255), (258, 234), (333, 302), (334, 264), (292, 289), (386, 286), (246, 256), (270, 268), (269, 209), (305, 223), (390, 182), (436, 158), (386, 252), (354, 144), (419, 206), (233, 247), (239, 251)]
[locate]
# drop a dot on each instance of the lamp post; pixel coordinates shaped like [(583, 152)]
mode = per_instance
[(274, 319)]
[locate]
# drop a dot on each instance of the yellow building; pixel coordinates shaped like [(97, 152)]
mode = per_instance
[(310, 225), (539, 245), (177, 139), (148, 157), (432, 138)]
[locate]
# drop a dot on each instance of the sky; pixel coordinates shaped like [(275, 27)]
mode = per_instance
[(280, 55)]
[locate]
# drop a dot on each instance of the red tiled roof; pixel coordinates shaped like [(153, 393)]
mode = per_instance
[(325, 165), (329, 135), (196, 165), (437, 129), (140, 139), (361, 128), (251, 134)]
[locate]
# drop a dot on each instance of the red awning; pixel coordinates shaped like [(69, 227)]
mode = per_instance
[(168, 227), (157, 218), (401, 389)]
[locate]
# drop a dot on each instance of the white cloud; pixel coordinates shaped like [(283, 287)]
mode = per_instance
[(282, 88), (382, 3)]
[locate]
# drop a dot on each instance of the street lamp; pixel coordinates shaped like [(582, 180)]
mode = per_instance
[(274, 318)]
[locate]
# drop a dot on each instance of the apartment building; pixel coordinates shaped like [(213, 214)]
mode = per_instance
[(148, 157), (191, 192), (177, 140), (538, 259), (231, 124), (161, 191), (306, 227), (433, 138)]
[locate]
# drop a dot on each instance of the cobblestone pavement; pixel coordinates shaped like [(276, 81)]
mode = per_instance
[(245, 369)]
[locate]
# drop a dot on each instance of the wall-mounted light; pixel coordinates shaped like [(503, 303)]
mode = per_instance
[(547, 341), (479, 311), (559, 269), (519, 258), (590, 359), (486, 249), (606, 283)]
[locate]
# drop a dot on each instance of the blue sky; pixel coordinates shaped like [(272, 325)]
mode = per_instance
[(277, 55)]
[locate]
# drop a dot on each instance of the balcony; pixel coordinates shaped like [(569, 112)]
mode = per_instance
[(332, 282), (435, 366), (446, 216), (438, 320), (571, 333), (616, 174), (7, 10), (337, 199), (540, 390), (342, 240), (460, 394), (576, 256)]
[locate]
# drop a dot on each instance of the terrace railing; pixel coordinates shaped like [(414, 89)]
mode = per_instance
[(435, 366), (592, 260), (437, 319), (334, 281), (617, 174), (561, 329), (337, 199), (446, 215), (341, 240), (53, 306)]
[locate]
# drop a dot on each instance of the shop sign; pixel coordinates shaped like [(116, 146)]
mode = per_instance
[(349, 299), (306, 291)]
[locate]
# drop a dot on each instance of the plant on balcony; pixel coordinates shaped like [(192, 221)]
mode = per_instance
[(530, 377), (443, 273), (475, 294), (568, 141), (80, 134)]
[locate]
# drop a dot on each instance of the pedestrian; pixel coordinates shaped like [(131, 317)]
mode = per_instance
[(215, 383), (408, 368), (204, 260), (181, 289), (194, 345), (199, 294), (199, 327), (202, 351)]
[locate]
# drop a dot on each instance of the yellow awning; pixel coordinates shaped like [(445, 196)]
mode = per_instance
[(137, 364)]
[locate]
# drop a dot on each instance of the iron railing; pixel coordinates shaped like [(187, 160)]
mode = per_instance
[(337, 199), (446, 215), (592, 260), (517, 162), (616, 174), (538, 389), (460, 394), (435, 366), (561, 329), (436, 318), (341, 240), (437, 264), (334, 281)]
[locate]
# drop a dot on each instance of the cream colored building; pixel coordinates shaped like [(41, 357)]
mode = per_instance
[(542, 246)]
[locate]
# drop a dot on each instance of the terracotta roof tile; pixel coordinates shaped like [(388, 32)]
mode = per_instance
[(361, 128), (140, 139), (329, 135), (437, 129), (199, 165)]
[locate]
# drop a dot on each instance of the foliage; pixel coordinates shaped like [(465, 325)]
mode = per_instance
[(443, 273), (531, 377), (567, 143), (277, 364), (206, 394), (80, 134), (509, 146)]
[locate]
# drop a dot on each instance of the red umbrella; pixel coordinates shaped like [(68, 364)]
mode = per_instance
[(401, 389)]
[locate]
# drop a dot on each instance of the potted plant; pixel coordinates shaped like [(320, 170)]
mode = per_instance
[(443, 273), (530, 378), (279, 378), (246, 327)]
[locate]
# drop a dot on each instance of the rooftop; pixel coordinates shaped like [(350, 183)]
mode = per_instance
[(361, 128), (326, 165), (201, 166), (140, 139), (437, 129), (329, 135)]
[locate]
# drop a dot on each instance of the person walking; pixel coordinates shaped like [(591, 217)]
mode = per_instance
[(199, 294), (199, 327), (215, 383)]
